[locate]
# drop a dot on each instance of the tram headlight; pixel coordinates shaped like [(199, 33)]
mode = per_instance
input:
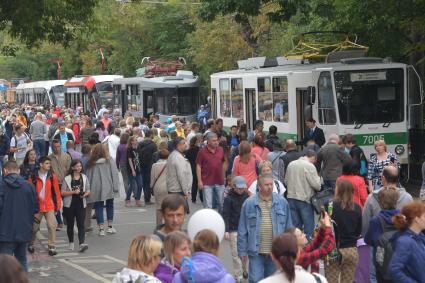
[(399, 149)]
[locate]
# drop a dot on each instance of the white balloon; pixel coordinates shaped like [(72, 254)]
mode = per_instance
[(206, 219)]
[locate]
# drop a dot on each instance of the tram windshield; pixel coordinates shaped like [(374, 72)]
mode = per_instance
[(370, 96), (178, 101), (105, 92)]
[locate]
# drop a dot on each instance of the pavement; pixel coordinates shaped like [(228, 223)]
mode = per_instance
[(105, 255)]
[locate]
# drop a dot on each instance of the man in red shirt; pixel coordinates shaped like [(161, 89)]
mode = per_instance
[(211, 164)]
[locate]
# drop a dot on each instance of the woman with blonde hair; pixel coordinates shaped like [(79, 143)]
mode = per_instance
[(176, 247), (104, 183), (377, 163), (266, 168), (204, 265), (246, 164), (347, 218), (144, 256)]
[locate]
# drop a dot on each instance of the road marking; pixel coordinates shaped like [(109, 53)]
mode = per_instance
[(85, 271), (115, 259), (45, 241), (108, 275), (66, 254)]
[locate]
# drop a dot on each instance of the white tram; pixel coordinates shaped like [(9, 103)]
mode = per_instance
[(176, 94), (43, 93), (371, 98)]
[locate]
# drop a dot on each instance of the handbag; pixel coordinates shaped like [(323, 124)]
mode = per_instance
[(321, 199), (160, 173)]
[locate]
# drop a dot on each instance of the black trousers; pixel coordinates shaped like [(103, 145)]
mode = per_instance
[(75, 212)]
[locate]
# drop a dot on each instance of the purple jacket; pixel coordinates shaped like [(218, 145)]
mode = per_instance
[(121, 157), (206, 268), (165, 272)]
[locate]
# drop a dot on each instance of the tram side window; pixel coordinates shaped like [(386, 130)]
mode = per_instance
[(188, 100), (326, 106), (225, 109), (265, 101), (133, 98), (280, 99), (237, 98)]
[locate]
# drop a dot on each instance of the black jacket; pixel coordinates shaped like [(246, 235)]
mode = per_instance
[(146, 150), (318, 137), (357, 155), (290, 156), (232, 210), (272, 142), (4, 144), (18, 204)]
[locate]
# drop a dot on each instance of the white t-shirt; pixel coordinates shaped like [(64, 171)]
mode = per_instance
[(20, 142), (301, 276), (253, 188)]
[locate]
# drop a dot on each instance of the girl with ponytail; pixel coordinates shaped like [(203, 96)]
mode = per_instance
[(406, 263), (284, 254)]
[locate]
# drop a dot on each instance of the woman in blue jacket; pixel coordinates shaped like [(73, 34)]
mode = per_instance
[(406, 263)]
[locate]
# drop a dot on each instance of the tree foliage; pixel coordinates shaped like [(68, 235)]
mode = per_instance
[(57, 21)]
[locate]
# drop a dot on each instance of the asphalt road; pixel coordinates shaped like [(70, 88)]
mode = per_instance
[(105, 256)]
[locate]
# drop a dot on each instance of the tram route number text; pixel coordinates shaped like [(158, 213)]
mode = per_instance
[(371, 139)]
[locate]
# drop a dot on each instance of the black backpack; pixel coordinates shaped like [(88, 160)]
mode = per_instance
[(384, 249)]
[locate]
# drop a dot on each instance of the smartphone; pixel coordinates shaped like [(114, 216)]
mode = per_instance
[(392, 159), (322, 212)]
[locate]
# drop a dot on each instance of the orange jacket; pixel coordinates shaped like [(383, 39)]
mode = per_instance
[(51, 195)]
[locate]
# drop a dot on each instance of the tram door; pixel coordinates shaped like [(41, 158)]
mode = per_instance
[(213, 103), (250, 107), (148, 102), (304, 110)]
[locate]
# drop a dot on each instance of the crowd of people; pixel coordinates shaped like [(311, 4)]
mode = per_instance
[(65, 165)]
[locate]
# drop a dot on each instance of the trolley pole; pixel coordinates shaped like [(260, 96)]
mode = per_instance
[(58, 61)]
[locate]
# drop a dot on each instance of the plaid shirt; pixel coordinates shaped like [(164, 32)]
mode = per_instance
[(318, 248)]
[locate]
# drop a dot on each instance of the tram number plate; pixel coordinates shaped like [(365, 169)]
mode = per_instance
[(371, 139)]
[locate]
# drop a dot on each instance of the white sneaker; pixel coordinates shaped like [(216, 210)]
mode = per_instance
[(101, 232), (71, 246), (111, 230), (83, 247)]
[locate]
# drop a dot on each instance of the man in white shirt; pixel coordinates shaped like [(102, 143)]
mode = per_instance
[(113, 143)]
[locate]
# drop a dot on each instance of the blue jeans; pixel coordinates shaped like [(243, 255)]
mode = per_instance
[(39, 147), (135, 185), (260, 267), (216, 192), (17, 249), (98, 208), (302, 214)]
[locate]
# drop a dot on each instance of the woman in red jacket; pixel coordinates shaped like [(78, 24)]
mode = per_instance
[(350, 172)]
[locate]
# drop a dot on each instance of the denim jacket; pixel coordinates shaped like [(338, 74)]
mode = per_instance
[(250, 220)]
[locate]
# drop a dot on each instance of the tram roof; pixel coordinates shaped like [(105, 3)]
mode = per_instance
[(40, 84), (312, 67), (159, 82), (90, 81)]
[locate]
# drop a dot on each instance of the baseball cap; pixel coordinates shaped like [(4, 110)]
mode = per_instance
[(239, 182)]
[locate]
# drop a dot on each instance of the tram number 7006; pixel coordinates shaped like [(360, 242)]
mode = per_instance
[(371, 139)]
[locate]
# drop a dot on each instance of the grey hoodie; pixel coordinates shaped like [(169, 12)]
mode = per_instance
[(372, 208)]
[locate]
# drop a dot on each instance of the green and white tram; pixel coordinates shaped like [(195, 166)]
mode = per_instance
[(371, 98)]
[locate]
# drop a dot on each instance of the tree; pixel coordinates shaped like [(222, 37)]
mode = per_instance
[(36, 20)]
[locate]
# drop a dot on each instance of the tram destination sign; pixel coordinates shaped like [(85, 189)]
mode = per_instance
[(368, 76)]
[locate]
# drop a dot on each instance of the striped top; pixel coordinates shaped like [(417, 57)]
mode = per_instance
[(266, 227)]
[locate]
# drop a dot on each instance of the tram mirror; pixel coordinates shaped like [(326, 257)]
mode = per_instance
[(311, 95)]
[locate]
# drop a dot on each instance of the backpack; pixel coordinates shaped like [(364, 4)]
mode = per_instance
[(384, 249)]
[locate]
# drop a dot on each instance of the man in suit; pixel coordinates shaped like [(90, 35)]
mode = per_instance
[(313, 133)]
